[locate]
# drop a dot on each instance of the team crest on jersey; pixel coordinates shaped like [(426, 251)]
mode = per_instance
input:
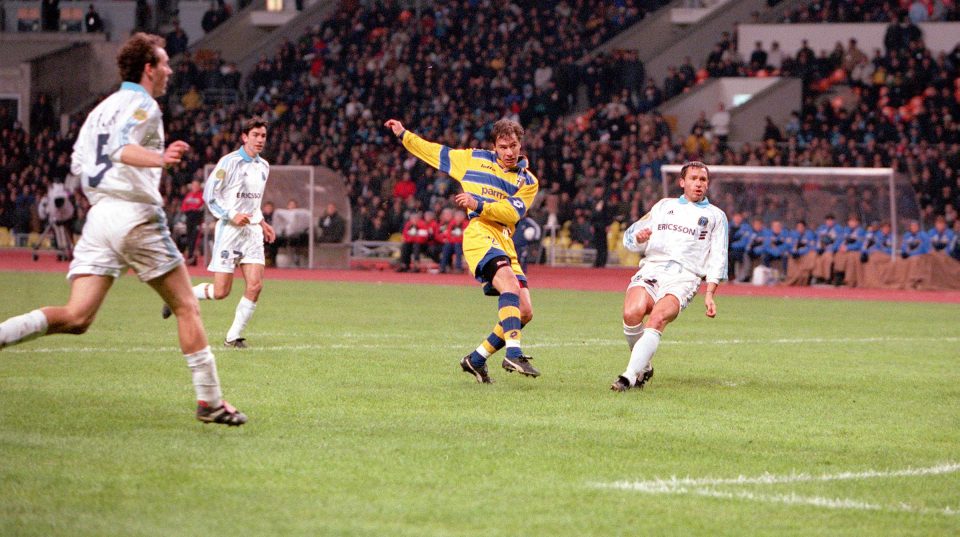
[(703, 221), (139, 114), (221, 173)]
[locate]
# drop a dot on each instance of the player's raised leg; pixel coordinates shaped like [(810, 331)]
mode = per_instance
[(86, 295), (205, 291), (174, 288)]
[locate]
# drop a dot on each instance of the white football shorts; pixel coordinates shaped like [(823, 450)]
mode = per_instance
[(670, 278), (236, 245), (120, 234)]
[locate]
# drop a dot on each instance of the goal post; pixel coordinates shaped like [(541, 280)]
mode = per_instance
[(790, 194)]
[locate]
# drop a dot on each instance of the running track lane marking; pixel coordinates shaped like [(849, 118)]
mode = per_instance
[(707, 487)]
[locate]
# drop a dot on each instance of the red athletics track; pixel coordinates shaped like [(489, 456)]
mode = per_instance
[(541, 277)]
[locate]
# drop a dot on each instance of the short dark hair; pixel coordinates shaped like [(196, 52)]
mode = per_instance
[(253, 123), (693, 164), (139, 51), (506, 127)]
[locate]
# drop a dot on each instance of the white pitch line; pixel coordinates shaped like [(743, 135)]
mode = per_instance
[(663, 485), (411, 343), (816, 501), (705, 487)]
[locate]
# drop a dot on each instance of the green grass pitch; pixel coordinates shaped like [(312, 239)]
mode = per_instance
[(843, 418)]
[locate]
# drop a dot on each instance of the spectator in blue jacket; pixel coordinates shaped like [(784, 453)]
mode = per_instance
[(955, 252), (755, 239), (803, 255), (828, 237), (915, 241), (777, 247), (737, 247), (846, 262), (880, 242), (942, 238)]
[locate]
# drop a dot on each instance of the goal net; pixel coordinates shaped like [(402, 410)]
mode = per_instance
[(300, 195), (790, 194)]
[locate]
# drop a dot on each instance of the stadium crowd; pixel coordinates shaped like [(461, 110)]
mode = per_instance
[(326, 95)]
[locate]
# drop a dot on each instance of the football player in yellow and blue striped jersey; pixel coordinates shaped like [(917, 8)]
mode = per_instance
[(498, 189)]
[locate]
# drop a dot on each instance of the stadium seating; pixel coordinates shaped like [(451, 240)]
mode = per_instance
[(324, 113)]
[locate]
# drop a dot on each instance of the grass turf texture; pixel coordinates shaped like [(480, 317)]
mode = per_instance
[(362, 424)]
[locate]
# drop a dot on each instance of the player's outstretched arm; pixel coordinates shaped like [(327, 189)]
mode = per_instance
[(141, 157), (450, 161)]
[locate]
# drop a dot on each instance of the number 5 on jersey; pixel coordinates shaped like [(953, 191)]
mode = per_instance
[(102, 159)]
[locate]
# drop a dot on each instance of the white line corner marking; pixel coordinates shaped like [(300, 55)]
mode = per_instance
[(708, 487)]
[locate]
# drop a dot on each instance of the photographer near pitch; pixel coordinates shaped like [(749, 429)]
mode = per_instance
[(57, 209)]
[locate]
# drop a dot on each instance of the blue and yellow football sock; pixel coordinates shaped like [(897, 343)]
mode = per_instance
[(509, 314), (492, 344)]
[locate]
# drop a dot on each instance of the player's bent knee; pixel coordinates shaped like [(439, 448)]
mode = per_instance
[(633, 316), (78, 324), (657, 321), (187, 309), (220, 294), (253, 290)]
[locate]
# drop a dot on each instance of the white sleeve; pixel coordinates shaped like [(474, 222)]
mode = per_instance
[(79, 155), (213, 192), (716, 269), (138, 117), (629, 237)]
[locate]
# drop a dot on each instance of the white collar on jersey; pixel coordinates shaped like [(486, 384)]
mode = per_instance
[(702, 203), (246, 157), (133, 86)]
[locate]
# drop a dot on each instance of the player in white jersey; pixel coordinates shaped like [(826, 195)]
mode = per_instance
[(684, 242), (119, 156), (233, 193)]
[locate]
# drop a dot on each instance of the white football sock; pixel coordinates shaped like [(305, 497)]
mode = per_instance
[(203, 291), (205, 379), (632, 333), (23, 328), (642, 353), (244, 311), (482, 351)]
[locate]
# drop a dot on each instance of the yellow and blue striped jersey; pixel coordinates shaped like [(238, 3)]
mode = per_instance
[(503, 196)]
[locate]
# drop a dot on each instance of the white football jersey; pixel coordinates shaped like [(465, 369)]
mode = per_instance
[(128, 116), (692, 234), (236, 186)]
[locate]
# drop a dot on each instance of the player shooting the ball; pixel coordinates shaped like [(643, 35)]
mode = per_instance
[(498, 189)]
